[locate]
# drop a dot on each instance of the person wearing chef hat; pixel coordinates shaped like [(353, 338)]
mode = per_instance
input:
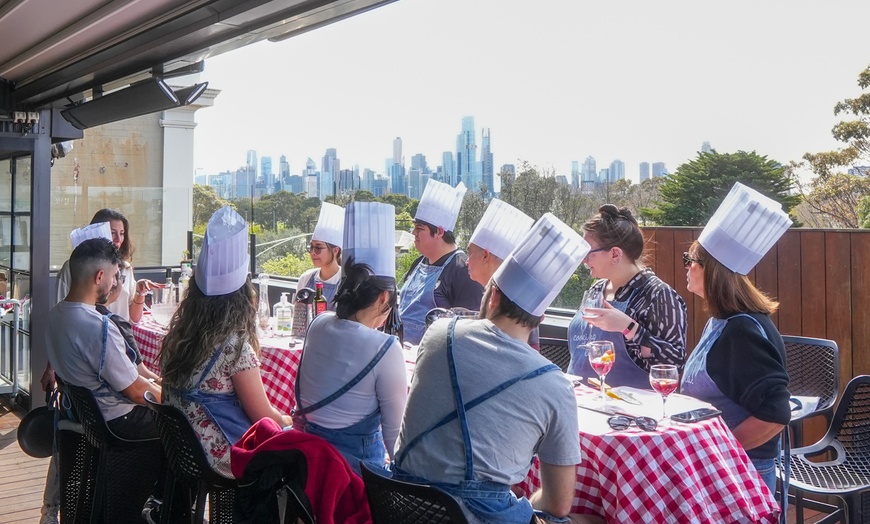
[(496, 235), (357, 406), (534, 412), (208, 359), (439, 277), (739, 363), (325, 252)]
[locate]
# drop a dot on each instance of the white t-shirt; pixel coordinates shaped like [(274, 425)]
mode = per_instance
[(312, 276), (120, 307), (74, 339), (335, 352), (537, 415)]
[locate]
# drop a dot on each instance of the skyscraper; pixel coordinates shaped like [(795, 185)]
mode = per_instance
[(251, 163), (397, 179), (486, 167), (266, 174), (415, 182), (659, 169), (329, 171), (588, 175), (312, 179), (284, 173), (706, 147), (617, 170), (466, 154), (644, 171), (448, 168), (397, 150), (575, 174), (418, 161)]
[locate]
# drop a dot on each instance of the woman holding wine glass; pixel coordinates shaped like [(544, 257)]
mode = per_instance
[(644, 318), (739, 363)]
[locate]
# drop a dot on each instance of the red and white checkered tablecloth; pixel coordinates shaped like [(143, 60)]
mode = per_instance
[(680, 473), (278, 362)]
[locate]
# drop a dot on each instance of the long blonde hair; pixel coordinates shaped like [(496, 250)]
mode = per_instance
[(202, 325)]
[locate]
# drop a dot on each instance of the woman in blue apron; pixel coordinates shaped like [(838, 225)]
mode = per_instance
[(208, 359), (739, 363), (325, 252), (351, 385), (643, 317)]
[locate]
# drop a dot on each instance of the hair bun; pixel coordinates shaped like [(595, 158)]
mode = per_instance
[(612, 212)]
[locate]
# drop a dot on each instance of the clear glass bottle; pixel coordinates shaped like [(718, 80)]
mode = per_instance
[(283, 317), (263, 309), (184, 280)]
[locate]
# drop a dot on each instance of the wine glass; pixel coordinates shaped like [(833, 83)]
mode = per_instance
[(592, 298), (163, 305), (601, 358), (664, 378)]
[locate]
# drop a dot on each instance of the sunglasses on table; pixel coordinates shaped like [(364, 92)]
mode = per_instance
[(688, 259), (623, 422)]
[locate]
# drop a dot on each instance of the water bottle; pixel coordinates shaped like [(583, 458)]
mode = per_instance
[(284, 317)]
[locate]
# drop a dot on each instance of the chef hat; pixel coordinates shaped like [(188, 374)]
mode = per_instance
[(223, 262), (745, 226), (98, 230), (501, 228), (543, 261), (440, 204), (369, 236), (330, 224)]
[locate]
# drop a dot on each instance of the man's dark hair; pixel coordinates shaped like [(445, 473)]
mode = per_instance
[(449, 237), (508, 308), (90, 256)]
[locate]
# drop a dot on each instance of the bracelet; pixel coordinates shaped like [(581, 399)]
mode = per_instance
[(627, 330), (143, 301)]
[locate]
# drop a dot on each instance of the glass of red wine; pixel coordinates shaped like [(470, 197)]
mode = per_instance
[(664, 378), (601, 358)]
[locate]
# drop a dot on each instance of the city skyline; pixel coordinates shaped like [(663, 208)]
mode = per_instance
[(554, 84)]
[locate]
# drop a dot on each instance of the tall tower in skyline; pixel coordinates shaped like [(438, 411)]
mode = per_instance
[(588, 175), (312, 179), (575, 174), (448, 168), (644, 171), (466, 154), (486, 167), (266, 174), (397, 151), (659, 169), (617, 170), (329, 173)]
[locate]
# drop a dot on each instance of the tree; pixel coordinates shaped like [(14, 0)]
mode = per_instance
[(205, 202), (530, 192), (398, 200), (361, 195), (691, 195), (473, 206), (644, 198), (833, 195)]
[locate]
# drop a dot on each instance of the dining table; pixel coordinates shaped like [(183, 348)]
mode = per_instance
[(678, 473)]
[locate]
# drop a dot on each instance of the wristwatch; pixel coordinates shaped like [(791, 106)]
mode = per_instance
[(627, 330)]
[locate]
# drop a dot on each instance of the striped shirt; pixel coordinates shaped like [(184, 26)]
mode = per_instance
[(660, 314)]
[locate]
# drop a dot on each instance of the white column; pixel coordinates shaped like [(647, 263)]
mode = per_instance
[(178, 174)]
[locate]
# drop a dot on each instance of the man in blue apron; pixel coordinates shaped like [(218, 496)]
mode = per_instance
[(439, 277), (482, 403)]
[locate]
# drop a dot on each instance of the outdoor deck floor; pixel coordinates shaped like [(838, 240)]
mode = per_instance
[(22, 478)]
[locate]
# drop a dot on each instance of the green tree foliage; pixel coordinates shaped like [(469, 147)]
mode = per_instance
[(691, 195), (288, 265), (864, 212), (398, 201), (403, 264), (361, 195), (473, 206), (205, 203), (833, 194)]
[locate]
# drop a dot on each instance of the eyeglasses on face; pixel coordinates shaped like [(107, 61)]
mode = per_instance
[(688, 259), (314, 247), (623, 422), (596, 250)]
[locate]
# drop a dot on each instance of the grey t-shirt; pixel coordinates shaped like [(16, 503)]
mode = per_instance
[(538, 415)]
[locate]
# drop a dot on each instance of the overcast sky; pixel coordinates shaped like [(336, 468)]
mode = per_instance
[(554, 80)]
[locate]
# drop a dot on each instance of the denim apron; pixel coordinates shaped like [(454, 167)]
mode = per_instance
[(418, 297), (625, 372), (328, 289), (491, 502), (105, 390), (223, 409), (362, 441)]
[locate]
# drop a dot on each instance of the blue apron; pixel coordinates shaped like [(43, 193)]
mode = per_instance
[(223, 409), (491, 502), (418, 297), (362, 441), (328, 289), (625, 372), (105, 390)]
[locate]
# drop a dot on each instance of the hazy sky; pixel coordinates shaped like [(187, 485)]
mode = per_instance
[(554, 80)]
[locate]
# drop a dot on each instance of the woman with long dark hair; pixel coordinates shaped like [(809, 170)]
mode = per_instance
[(351, 386), (644, 317), (208, 359)]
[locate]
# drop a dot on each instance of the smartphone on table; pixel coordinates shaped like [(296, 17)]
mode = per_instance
[(695, 415)]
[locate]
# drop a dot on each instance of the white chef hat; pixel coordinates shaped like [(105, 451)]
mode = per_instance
[(330, 224), (543, 261), (745, 226), (369, 236), (98, 230), (501, 228), (223, 262), (440, 204)]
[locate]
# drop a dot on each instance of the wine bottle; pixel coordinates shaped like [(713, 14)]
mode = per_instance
[(319, 299)]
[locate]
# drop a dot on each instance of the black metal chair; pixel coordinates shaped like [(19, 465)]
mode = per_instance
[(556, 351), (396, 502), (813, 370), (188, 465), (847, 475), (126, 469)]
